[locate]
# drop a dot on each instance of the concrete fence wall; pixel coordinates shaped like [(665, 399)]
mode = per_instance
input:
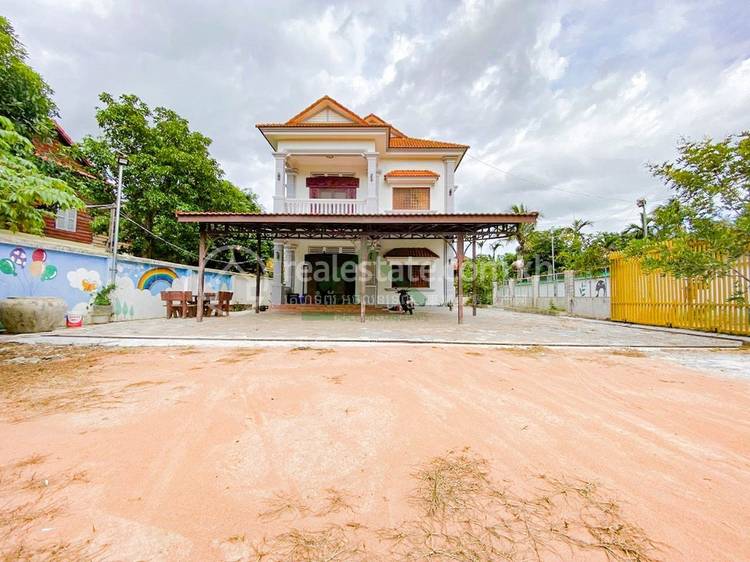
[(580, 296), (46, 267)]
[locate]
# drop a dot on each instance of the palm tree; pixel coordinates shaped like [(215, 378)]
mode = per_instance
[(578, 225), (634, 230), (495, 246), (521, 235)]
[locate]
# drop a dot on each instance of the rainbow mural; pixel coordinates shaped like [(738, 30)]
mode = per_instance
[(157, 279)]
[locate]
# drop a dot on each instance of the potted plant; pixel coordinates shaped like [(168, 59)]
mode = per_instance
[(101, 305)]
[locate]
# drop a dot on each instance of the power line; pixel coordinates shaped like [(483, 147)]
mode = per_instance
[(555, 188), (184, 250), (167, 242)]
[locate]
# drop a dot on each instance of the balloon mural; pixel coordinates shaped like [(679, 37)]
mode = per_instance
[(18, 259)]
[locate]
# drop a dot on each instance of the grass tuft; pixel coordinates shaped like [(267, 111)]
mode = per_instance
[(462, 514)]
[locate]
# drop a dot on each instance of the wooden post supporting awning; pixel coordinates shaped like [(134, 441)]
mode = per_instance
[(362, 227), (361, 276), (201, 270), (258, 270), (460, 281)]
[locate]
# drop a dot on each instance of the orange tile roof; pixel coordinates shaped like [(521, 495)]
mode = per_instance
[(322, 124), (375, 120), (412, 174), (409, 142), (397, 139)]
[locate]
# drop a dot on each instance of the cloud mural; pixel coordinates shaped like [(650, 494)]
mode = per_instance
[(87, 280), (130, 301)]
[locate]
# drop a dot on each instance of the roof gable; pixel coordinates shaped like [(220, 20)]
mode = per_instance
[(373, 119), (326, 110)]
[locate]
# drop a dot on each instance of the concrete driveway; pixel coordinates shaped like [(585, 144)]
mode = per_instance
[(491, 326)]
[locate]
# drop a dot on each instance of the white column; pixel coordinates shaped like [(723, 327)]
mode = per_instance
[(276, 287), (291, 183), (371, 206), (290, 266), (450, 185), (279, 180)]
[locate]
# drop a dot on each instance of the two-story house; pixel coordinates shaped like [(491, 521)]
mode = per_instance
[(329, 160)]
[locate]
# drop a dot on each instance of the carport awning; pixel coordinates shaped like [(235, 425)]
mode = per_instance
[(375, 226), (364, 227)]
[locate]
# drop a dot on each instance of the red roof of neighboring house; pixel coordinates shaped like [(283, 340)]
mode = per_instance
[(50, 150), (410, 253), (397, 139), (412, 174)]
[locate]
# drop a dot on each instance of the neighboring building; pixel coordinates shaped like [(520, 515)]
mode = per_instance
[(329, 160), (72, 225)]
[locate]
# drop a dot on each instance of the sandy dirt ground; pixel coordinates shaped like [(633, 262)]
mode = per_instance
[(371, 453)]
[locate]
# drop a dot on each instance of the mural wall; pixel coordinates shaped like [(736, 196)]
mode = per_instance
[(76, 277)]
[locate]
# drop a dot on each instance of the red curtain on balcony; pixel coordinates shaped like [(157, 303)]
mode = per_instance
[(320, 186)]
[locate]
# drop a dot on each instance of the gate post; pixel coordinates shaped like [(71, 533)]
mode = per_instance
[(534, 291), (570, 288)]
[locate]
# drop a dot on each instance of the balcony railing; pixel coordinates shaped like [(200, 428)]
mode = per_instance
[(324, 206)]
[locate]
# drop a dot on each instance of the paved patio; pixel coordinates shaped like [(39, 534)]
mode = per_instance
[(429, 325)]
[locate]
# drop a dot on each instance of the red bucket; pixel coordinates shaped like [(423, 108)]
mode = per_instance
[(74, 320)]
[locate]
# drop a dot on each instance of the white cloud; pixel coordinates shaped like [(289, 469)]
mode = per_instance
[(547, 60), (573, 96), (638, 84), (489, 77)]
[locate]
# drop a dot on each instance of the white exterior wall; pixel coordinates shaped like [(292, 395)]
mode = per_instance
[(437, 191), (349, 150), (327, 145), (439, 283), (304, 171), (385, 163)]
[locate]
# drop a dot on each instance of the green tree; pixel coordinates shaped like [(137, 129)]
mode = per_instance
[(27, 195), (524, 230), (704, 228), (489, 271), (584, 253), (577, 226), (170, 168), (592, 255), (635, 230), (25, 98)]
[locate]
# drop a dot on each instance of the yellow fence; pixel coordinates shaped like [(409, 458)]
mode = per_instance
[(662, 300)]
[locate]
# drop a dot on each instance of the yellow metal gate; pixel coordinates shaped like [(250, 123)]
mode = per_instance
[(662, 300)]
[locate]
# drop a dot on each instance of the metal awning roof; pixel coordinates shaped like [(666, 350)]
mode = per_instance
[(382, 225)]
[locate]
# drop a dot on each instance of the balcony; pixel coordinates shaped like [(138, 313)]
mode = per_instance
[(324, 206)]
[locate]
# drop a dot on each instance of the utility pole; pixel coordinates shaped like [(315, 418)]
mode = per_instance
[(122, 161), (554, 277), (642, 205)]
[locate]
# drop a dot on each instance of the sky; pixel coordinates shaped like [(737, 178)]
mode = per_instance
[(563, 103)]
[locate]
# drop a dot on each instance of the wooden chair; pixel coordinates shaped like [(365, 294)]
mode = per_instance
[(222, 303), (189, 304), (173, 301)]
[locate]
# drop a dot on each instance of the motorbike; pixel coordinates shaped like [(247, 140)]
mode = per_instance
[(405, 301)]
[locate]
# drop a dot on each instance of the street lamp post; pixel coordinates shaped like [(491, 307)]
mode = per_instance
[(642, 205), (554, 273), (122, 161)]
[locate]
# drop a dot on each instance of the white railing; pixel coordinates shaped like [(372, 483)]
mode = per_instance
[(324, 206)]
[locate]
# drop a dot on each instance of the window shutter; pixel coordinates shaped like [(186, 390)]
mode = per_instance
[(411, 198), (66, 220)]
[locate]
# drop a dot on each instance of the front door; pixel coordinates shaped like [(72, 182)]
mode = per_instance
[(331, 278)]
